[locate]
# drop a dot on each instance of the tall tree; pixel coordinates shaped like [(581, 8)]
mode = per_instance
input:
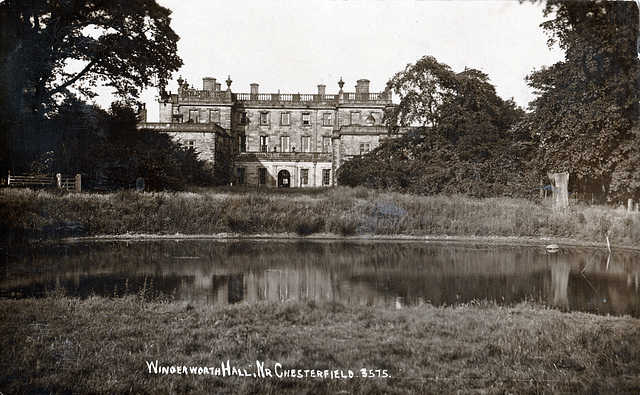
[(422, 88), (51, 50), (586, 112), (50, 46), (462, 143)]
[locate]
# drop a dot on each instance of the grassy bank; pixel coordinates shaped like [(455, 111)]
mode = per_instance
[(100, 345), (340, 211)]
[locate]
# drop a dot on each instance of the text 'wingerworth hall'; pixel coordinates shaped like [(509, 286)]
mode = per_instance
[(273, 139)]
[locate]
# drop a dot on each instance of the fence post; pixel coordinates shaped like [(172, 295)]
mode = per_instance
[(630, 204), (78, 183), (59, 180), (9, 178)]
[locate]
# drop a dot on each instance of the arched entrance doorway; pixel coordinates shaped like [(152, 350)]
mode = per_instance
[(284, 179)]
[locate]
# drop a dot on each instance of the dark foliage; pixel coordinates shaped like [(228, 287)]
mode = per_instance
[(127, 153), (51, 51), (586, 114), (111, 153), (465, 143)]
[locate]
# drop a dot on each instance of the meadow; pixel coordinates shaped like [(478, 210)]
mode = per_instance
[(121, 345), (342, 211)]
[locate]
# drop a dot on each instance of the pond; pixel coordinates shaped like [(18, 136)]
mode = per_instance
[(391, 274)]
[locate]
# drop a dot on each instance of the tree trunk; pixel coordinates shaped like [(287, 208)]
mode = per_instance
[(560, 184)]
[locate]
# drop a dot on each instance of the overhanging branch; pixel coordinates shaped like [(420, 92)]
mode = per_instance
[(72, 80)]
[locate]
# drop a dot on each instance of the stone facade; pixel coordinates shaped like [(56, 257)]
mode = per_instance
[(274, 139)]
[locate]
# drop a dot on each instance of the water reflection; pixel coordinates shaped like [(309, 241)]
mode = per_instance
[(390, 274)]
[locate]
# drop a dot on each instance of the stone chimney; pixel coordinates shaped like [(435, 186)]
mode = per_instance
[(218, 86), (254, 88), (362, 87), (322, 89), (209, 84)]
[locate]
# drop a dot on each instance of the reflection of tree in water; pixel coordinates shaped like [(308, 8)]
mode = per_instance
[(560, 283)]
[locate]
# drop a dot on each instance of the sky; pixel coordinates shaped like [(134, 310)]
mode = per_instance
[(292, 46)]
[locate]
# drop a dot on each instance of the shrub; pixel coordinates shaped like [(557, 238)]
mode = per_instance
[(307, 226), (345, 225)]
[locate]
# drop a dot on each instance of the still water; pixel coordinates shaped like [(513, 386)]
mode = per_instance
[(374, 273)]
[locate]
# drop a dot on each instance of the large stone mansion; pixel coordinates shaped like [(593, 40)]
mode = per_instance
[(273, 139)]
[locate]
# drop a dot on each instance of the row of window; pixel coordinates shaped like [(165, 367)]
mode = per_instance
[(305, 144), (199, 116), (304, 176), (213, 116), (284, 144), (285, 118)]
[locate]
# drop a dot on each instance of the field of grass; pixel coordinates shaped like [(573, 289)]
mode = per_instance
[(99, 345), (340, 211)]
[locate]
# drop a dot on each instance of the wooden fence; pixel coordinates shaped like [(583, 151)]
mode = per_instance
[(69, 183)]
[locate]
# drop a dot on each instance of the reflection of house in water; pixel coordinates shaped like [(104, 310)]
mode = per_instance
[(308, 283), (273, 285), (381, 274)]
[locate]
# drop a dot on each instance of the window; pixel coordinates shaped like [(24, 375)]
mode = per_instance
[(244, 119), (327, 119), (193, 115), (284, 144), (304, 176), (242, 143), (306, 144), (364, 148), (326, 143), (177, 118), (262, 176), (306, 118), (264, 143), (285, 119), (326, 176), (214, 116), (355, 118), (264, 118), (240, 175), (191, 144)]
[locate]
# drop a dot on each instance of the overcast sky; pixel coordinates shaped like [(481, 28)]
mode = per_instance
[(293, 46)]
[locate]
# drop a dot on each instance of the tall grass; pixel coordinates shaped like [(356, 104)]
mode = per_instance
[(341, 211), (101, 345)]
